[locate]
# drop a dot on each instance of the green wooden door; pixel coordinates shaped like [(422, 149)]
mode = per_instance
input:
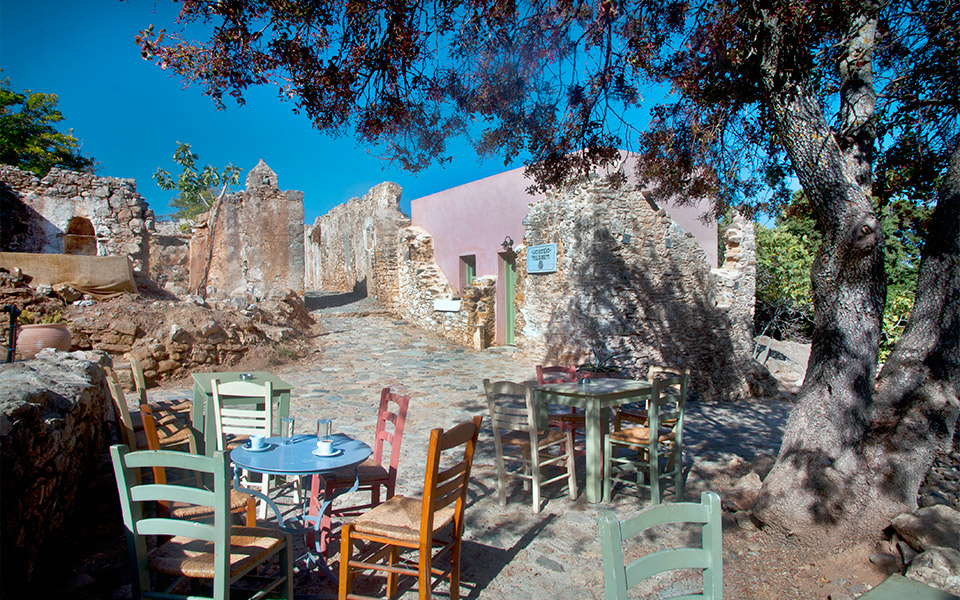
[(509, 292)]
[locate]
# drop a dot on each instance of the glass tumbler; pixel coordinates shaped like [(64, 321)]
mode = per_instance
[(286, 429), (324, 429)]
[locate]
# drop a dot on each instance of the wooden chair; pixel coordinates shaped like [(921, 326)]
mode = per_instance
[(250, 413), (371, 474), (646, 452), (618, 576), (127, 431), (573, 419), (403, 523), (240, 503), (639, 415), (513, 410), (180, 406), (217, 552)]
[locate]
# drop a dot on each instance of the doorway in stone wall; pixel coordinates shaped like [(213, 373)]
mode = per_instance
[(506, 295), (80, 237)]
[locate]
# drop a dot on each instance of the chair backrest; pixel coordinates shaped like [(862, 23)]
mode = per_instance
[(253, 416), (392, 436), (134, 496), (668, 400), (448, 475), (618, 577), (512, 408), (555, 374), (121, 412), (139, 381), (659, 372)]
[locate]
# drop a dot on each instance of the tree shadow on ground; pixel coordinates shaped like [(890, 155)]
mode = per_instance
[(316, 300)]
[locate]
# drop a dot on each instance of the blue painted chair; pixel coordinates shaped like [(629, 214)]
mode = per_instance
[(216, 552), (618, 577)]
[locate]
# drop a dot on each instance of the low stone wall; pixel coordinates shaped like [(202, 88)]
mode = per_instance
[(75, 213), (52, 413), (170, 256)]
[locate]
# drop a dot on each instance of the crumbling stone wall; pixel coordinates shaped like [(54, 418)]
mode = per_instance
[(252, 241), (52, 413), (629, 280), (737, 282), (169, 244), (74, 212), (353, 248), (421, 283)]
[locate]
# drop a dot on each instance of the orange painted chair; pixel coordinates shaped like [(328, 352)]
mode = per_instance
[(431, 526), (373, 473)]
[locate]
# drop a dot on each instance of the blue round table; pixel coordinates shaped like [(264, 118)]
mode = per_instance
[(297, 459)]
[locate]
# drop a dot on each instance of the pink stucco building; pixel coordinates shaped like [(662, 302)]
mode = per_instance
[(470, 223)]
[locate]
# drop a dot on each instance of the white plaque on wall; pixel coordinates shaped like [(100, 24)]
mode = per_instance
[(542, 258)]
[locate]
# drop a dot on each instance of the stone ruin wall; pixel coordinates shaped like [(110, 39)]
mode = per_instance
[(368, 247), (353, 248), (257, 241), (169, 244), (653, 298), (52, 417), (421, 283), (43, 209)]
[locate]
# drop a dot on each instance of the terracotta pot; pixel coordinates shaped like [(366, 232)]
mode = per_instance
[(34, 338)]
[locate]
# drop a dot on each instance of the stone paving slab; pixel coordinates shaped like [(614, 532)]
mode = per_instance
[(508, 551)]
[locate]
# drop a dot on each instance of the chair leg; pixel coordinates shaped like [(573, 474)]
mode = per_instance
[(607, 470), (655, 478), (455, 570), (425, 574), (535, 481), (678, 478), (571, 468), (501, 481), (286, 564), (346, 553), (393, 578)]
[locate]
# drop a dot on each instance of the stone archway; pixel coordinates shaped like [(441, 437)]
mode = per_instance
[(80, 237)]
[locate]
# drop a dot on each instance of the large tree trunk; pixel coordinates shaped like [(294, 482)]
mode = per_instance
[(818, 485), (916, 407)]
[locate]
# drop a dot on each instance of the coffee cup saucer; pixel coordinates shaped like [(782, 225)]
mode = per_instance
[(249, 448), (334, 452)]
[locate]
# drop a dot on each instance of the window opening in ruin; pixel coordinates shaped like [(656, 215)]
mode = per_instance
[(80, 237), (468, 271)]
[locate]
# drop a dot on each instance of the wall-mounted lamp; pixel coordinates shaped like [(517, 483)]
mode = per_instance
[(507, 244)]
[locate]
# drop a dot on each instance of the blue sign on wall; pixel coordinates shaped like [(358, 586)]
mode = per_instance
[(542, 258)]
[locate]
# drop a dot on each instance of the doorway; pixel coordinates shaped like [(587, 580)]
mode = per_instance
[(506, 296)]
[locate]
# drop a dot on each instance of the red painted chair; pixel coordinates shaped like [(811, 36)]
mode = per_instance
[(572, 420), (373, 473)]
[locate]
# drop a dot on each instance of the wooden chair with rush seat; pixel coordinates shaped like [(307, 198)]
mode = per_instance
[(430, 526), (217, 553)]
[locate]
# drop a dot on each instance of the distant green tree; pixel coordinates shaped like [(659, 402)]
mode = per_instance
[(198, 189), (28, 138), (785, 253)]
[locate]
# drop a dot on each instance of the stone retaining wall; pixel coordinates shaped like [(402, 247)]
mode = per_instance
[(75, 213), (52, 413)]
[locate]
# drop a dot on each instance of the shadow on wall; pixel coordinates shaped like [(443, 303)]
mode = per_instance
[(659, 316), (22, 229), (318, 300)]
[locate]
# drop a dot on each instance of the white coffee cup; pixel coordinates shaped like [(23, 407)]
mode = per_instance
[(325, 446), (256, 442)]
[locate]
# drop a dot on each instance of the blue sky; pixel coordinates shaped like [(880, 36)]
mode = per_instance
[(130, 114)]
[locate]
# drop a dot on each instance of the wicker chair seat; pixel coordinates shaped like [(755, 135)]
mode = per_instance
[(640, 415), (238, 501), (577, 420), (522, 438), (399, 518), (234, 442), (369, 470), (641, 435), (194, 558)]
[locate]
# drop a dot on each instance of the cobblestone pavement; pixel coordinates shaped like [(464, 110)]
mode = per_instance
[(508, 551)]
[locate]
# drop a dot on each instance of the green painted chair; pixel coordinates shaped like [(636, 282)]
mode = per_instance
[(618, 577), (217, 552), (652, 460), (898, 587)]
